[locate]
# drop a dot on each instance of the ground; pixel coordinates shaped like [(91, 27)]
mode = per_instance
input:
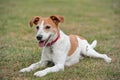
[(93, 19)]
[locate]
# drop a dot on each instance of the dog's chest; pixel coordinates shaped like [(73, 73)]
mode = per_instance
[(49, 51)]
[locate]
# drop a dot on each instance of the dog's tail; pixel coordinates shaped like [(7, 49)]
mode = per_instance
[(94, 43)]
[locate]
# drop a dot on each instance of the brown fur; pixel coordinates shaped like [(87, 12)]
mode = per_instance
[(35, 20), (52, 21), (73, 44)]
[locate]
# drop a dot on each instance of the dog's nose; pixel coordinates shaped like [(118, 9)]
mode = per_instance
[(39, 37)]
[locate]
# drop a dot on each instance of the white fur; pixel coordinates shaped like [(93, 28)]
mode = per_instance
[(94, 43), (59, 55)]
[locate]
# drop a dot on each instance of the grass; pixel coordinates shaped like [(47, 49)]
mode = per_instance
[(93, 19)]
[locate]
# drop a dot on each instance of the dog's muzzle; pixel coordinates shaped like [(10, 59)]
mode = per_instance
[(39, 37), (42, 43)]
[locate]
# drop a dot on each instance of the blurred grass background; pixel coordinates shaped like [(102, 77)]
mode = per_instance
[(93, 19)]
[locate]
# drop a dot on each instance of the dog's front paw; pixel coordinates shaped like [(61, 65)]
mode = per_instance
[(40, 73), (25, 70)]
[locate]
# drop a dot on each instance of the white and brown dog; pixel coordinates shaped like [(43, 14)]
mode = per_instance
[(61, 49)]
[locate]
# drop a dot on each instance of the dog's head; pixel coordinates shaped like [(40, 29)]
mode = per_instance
[(46, 27)]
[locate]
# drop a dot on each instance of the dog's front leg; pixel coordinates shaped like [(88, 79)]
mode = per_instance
[(55, 68), (42, 63), (34, 66)]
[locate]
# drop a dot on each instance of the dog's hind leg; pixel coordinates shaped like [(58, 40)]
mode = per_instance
[(92, 53)]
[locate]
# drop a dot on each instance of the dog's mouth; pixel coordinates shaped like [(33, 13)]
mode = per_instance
[(43, 43)]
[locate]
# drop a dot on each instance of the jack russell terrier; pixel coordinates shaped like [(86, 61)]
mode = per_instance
[(61, 49)]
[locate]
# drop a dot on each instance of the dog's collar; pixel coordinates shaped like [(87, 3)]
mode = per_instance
[(55, 40)]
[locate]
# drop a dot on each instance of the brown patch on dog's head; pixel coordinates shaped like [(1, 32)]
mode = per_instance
[(57, 19), (53, 20), (35, 20), (48, 22)]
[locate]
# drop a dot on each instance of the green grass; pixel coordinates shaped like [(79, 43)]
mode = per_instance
[(93, 19)]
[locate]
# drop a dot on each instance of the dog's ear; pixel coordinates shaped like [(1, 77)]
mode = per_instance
[(57, 19), (34, 20)]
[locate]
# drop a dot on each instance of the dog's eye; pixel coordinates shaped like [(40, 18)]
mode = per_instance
[(37, 27), (47, 27)]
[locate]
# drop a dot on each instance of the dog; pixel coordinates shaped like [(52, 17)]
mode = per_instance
[(61, 49)]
